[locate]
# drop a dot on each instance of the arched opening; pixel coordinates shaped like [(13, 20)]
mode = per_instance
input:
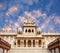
[(39, 43), (29, 30), (33, 43), (18, 43), (26, 30), (29, 43), (24, 43)]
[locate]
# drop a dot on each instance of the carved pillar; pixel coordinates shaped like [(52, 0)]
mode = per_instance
[(22, 43), (26, 43), (31, 43), (3, 50), (42, 43), (36, 43), (7, 51)]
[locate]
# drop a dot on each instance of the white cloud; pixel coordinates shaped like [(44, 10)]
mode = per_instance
[(57, 20), (1, 6), (29, 2), (45, 24), (7, 29), (29, 14), (48, 6), (38, 13), (22, 19), (11, 10), (16, 24), (35, 13)]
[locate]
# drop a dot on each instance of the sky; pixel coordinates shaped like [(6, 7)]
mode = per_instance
[(45, 13)]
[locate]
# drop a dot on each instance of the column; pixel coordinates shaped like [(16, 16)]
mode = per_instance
[(36, 43), (42, 44), (3, 50), (22, 43), (26, 43), (31, 43), (7, 51)]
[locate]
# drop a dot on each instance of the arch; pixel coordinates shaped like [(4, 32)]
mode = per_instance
[(32, 30), (18, 42), (29, 43), (33, 43), (26, 30), (29, 30), (39, 43), (24, 43)]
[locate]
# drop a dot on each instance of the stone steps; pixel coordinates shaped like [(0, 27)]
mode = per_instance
[(28, 50)]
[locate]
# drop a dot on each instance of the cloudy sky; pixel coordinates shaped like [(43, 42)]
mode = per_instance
[(45, 13)]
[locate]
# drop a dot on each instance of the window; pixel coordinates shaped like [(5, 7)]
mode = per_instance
[(33, 43), (24, 43), (29, 30), (29, 43), (32, 30), (26, 30)]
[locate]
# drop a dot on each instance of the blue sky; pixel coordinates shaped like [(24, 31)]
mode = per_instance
[(45, 13)]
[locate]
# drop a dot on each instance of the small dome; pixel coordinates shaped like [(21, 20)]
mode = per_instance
[(38, 31), (20, 31)]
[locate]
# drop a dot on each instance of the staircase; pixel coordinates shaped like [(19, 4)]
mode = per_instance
[(29, 50)]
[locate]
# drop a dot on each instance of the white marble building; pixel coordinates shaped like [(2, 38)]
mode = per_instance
[(29, 39)]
